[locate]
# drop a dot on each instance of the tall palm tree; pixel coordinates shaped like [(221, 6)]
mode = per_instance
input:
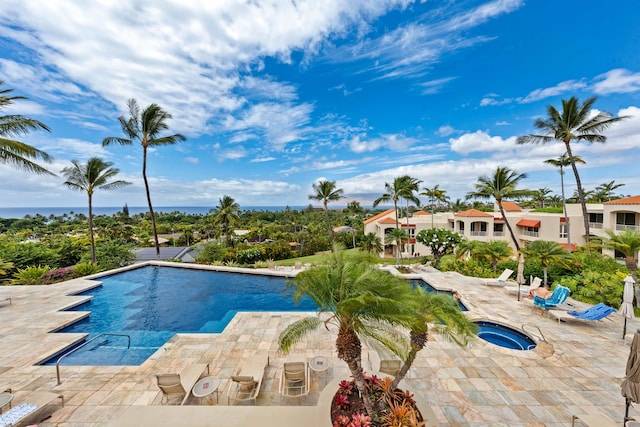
[(145, 127), (547, 252), (434, 194), (502, 184), (403, 187), (326, 192), (12, 151), (575, 123), (95, 175), (225, 214), (562, 162), (540, 196), (607, 188), (399, 237), (371, 243), (628, 244)]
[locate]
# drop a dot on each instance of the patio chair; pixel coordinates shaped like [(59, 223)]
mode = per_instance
[(180, 385), (558, 296), (294, 380), (535, 284), (382, 359), (500, 280), (34, 404), (591, 314), (245, 385)]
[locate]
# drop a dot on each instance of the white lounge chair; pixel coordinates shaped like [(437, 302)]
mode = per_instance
[(33, 405), (180, 385), (500, 280), (535, 284), (246, 383), (294, 380)]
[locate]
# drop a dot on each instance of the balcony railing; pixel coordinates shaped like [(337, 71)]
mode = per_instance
[(596, 225), (622, 227), (530, 233), (498, 233), (478, 233)]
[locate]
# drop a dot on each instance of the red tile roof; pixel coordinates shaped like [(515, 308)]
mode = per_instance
[(387, 221), (528, 223), (633, 200), (474, 213), (511, 207), (421, 213), (377, 217)]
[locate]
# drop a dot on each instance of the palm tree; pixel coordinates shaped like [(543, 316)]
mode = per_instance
[(499, 186), (562, 162), (13, 152), (575, 123), (326, 192), (371, 243), (225, 214), (435, 194), (95, 175), (547, 252), (628, 244), (459, 206), (607, 188), (145, 127), (399, 237), (402, 187), (362, 301), (493, 251), (354, 209), (540, 196)]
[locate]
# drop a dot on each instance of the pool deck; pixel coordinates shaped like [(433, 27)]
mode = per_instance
[(577, 372)]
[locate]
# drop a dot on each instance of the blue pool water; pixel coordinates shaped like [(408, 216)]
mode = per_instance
[(433, 290), (151, 304), (504, 336)]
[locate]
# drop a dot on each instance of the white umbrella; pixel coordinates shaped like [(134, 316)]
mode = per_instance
[(626, 309), (520, 275)]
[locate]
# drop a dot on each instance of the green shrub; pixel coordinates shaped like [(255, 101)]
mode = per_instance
[(250, 255), (86, 269), (594, 287), (211, 253), (58, 275), (33, 275)]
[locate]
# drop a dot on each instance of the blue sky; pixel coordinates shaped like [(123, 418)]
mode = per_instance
[(275, 95)]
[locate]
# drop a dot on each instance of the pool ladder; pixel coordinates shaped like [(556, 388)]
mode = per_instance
[(85, 343), (540, 336)]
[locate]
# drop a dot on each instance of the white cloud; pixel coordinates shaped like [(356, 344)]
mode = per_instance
[(73, 148), (393, 142), (192, 160), (560, 88), (445, 130), (434, 86), (262, 159), (617, 81), (480, 141)]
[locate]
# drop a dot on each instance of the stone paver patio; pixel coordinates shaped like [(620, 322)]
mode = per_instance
[(578, 371)]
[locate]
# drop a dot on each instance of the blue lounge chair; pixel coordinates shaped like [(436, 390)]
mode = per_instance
[(597, 312), (559, 296)]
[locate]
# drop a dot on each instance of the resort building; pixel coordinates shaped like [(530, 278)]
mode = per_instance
[(617, 215)]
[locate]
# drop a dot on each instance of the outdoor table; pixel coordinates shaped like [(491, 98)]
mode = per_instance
[(205, 387), (5, 399)]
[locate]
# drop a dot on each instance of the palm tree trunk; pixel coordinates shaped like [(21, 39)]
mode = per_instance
[(567, 226), (583, 204), (93, 242), (418, 343), (395, 205), (350, 350), (506, 222), (146, 188), (544, 275)]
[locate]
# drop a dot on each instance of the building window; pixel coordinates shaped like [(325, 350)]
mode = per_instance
[(411, 232), (563, 231), (625, 220), (596, 218)]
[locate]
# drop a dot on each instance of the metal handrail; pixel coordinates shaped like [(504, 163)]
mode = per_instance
[(85, 343), (542, 338)]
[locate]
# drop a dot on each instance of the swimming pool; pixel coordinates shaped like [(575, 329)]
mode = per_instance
[(504, 336), (151, 304)]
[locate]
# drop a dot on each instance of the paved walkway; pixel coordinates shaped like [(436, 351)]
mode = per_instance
[(579, 371)]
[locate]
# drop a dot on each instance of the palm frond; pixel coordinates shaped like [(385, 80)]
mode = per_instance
[(295, 332)]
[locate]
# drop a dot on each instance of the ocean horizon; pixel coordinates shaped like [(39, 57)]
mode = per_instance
[(21, 212)]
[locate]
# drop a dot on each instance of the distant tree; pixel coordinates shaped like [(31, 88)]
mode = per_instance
[(540, 196), (145, 127), (397, 236), (502, 184), (493, 252), (440, 241), (575, 123), (125, 210), (546, 252), (371, 243), (95, 175), (354, 209), (562, 162), (225, 214), (13, 152), (459, 206), (628, 244), (326, 191), (605, 190), (436, 196)]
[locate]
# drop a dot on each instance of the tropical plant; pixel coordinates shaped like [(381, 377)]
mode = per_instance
[(493, 251), (112, 254), (628, 244), (5, 267), (403, 187), (145, 127), (86, 268), (440, 241), (225, 214), (562, 162), (576, 122), (326, 192), (12, 151), (371, 243), (399, 237), (605, 190), (95, 175), (546, 252), (502, 184), (32, 275), (539, 196), (435, 195)]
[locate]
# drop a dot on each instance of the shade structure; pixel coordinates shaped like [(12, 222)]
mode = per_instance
[(520, 274), (626, 309), (630, 387)]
